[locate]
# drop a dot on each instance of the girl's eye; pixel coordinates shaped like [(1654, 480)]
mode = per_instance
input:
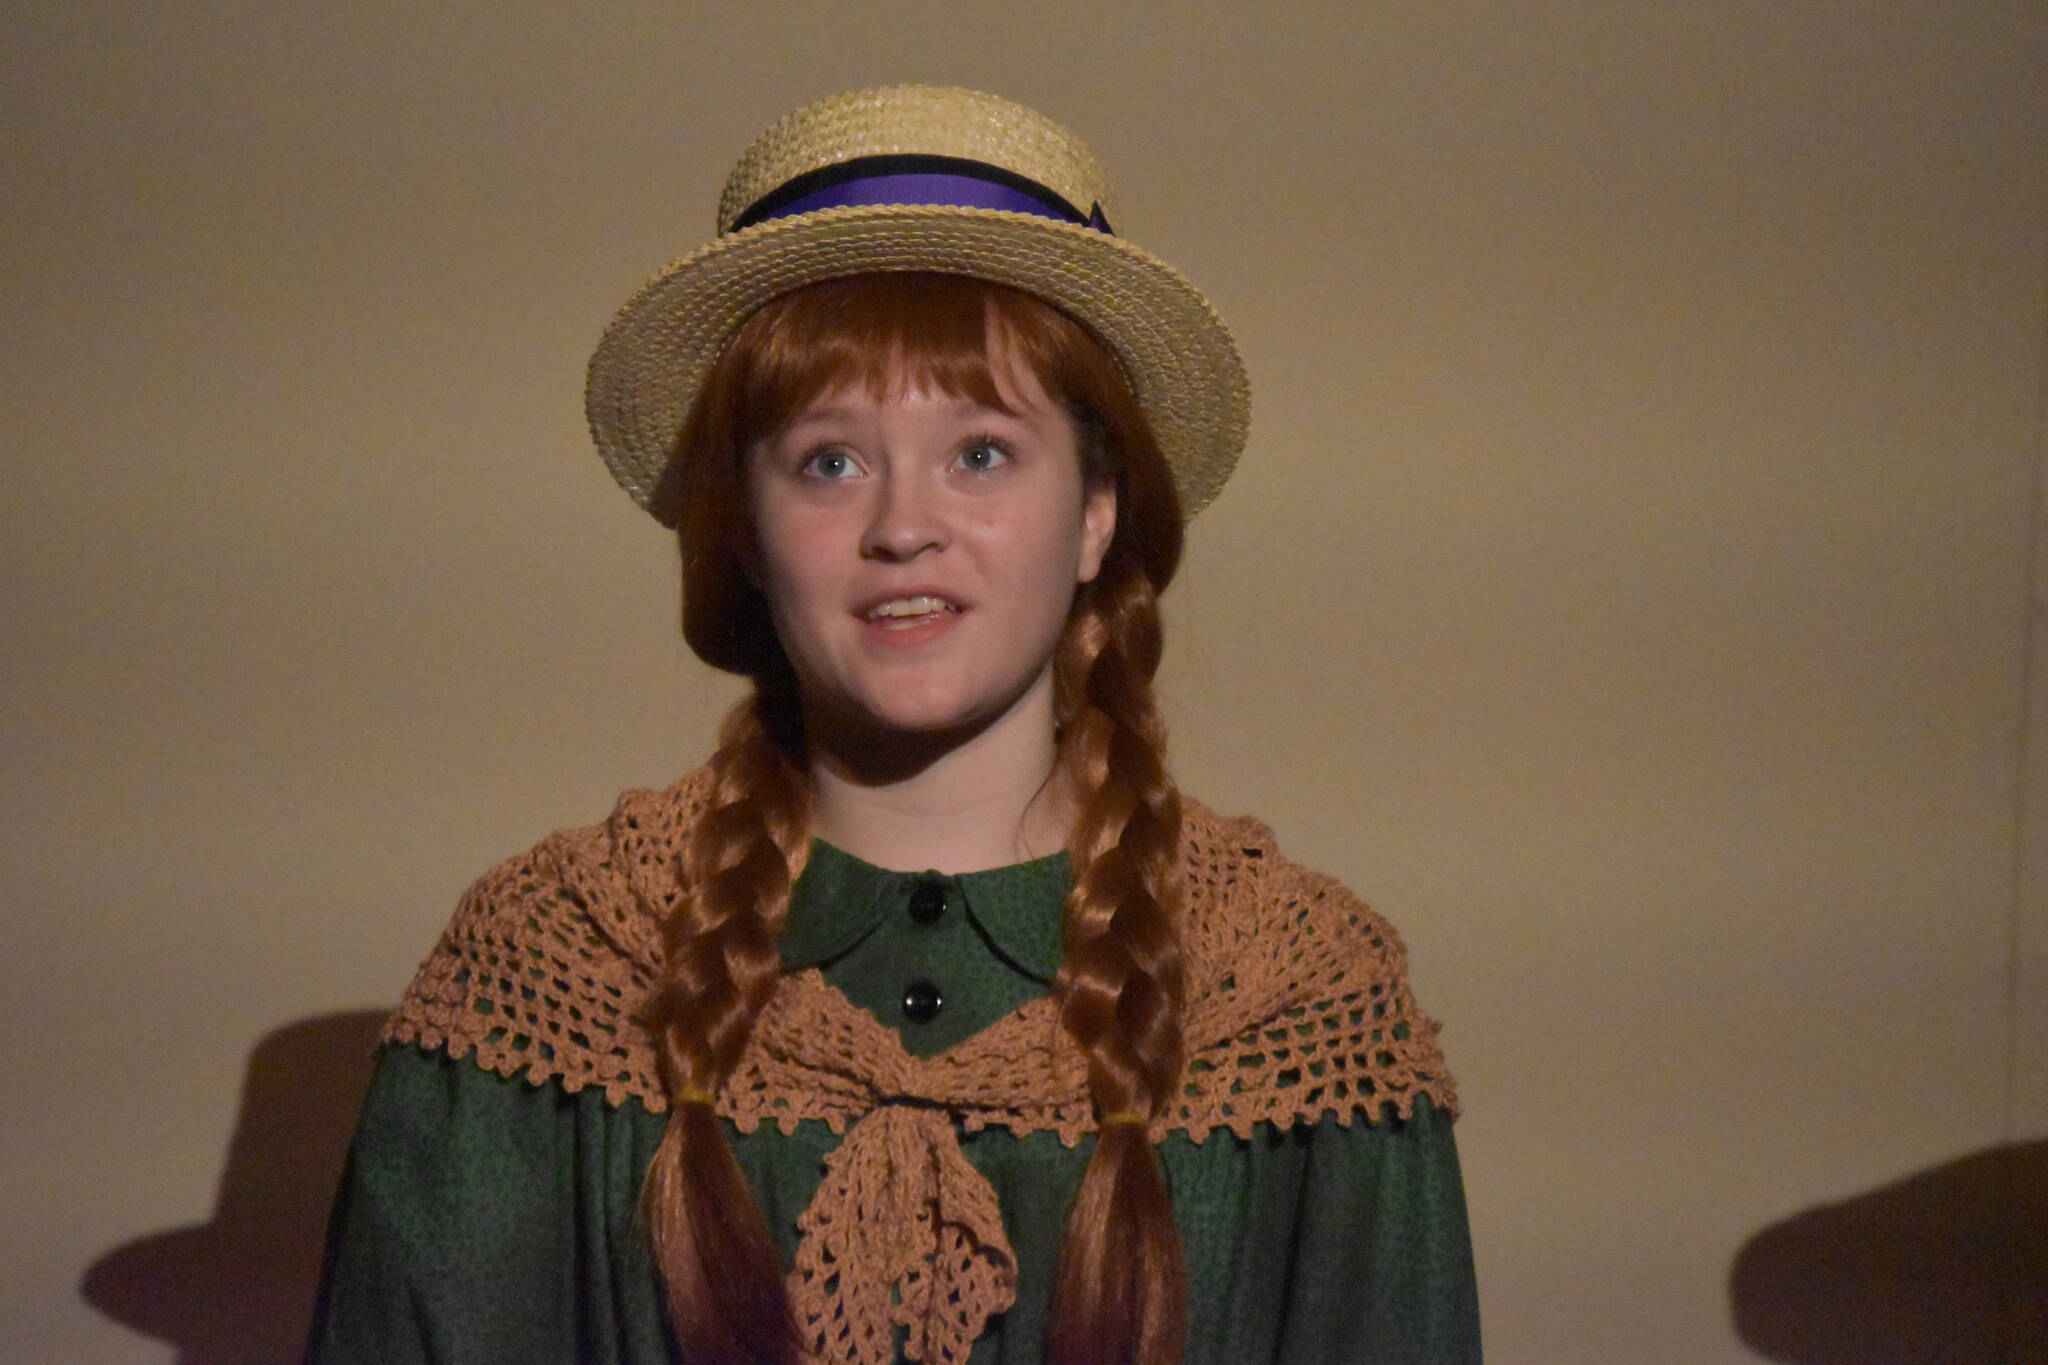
[(981, 456), (831, 464)]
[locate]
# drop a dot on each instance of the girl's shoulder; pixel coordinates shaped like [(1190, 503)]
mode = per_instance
[(1244, 893), (549, 955), (1298, 996)]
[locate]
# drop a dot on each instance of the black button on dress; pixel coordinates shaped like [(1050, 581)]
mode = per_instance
[(922, 1001), (927, 900)]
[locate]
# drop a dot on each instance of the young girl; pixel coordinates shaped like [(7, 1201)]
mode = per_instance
[(927, 1020)]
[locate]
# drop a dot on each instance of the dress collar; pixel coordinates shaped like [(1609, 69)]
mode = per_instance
[(840, 900)]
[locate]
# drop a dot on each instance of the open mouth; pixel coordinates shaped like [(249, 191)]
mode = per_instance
[(910, 611)]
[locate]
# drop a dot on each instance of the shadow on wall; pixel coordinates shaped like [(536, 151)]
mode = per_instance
[(1949, 1265), (239, 1290)]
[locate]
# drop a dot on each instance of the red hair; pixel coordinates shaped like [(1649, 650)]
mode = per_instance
[(1120, 1293)]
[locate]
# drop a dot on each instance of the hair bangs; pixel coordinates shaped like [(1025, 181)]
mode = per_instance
[(882, 334)]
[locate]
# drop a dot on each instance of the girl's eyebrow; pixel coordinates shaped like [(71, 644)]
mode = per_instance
[(825, 412), (960, 409), (829, 421)]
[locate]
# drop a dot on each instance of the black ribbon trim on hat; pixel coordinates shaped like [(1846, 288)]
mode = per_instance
[(915, 179)]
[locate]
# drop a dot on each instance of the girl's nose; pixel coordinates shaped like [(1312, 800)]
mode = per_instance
[(906, 521)]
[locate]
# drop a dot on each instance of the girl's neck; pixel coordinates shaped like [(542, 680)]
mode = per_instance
[(949, 803)]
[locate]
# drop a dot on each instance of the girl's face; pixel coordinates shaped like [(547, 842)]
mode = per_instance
[(919, 552)]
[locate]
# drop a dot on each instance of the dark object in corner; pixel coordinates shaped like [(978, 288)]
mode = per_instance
[(1948, 1265)]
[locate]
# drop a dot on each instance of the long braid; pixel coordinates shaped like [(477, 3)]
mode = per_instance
[(723, 1278), (1121, 1291)]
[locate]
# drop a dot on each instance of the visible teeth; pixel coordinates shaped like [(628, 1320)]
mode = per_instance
[(910, 606)]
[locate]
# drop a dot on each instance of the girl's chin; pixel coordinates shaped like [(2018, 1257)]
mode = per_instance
[(915, 724)]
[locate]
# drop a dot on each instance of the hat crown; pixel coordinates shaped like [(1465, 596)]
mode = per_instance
[(915, 120)]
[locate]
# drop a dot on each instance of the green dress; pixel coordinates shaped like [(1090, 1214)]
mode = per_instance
[(488, 1219)]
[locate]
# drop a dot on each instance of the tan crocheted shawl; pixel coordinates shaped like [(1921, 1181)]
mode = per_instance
[(1298, 1007)]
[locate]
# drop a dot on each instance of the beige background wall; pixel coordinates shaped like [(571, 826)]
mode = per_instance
[(1626, 586)]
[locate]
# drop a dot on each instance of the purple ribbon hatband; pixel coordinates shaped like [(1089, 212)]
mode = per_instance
[(891, 180)]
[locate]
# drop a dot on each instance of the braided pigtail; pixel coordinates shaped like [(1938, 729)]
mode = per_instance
[(726, 1297), (1121, 1290)]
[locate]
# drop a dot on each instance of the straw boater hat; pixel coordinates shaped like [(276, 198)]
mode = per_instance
[(917, 178)]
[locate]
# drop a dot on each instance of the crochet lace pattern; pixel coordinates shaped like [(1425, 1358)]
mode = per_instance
[(1298, 1007)]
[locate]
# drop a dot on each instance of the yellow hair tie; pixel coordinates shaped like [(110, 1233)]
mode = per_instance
[(1125, 1116), (691, 1095)]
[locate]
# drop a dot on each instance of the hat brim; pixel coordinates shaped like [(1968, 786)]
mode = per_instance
[(1183, 366)]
